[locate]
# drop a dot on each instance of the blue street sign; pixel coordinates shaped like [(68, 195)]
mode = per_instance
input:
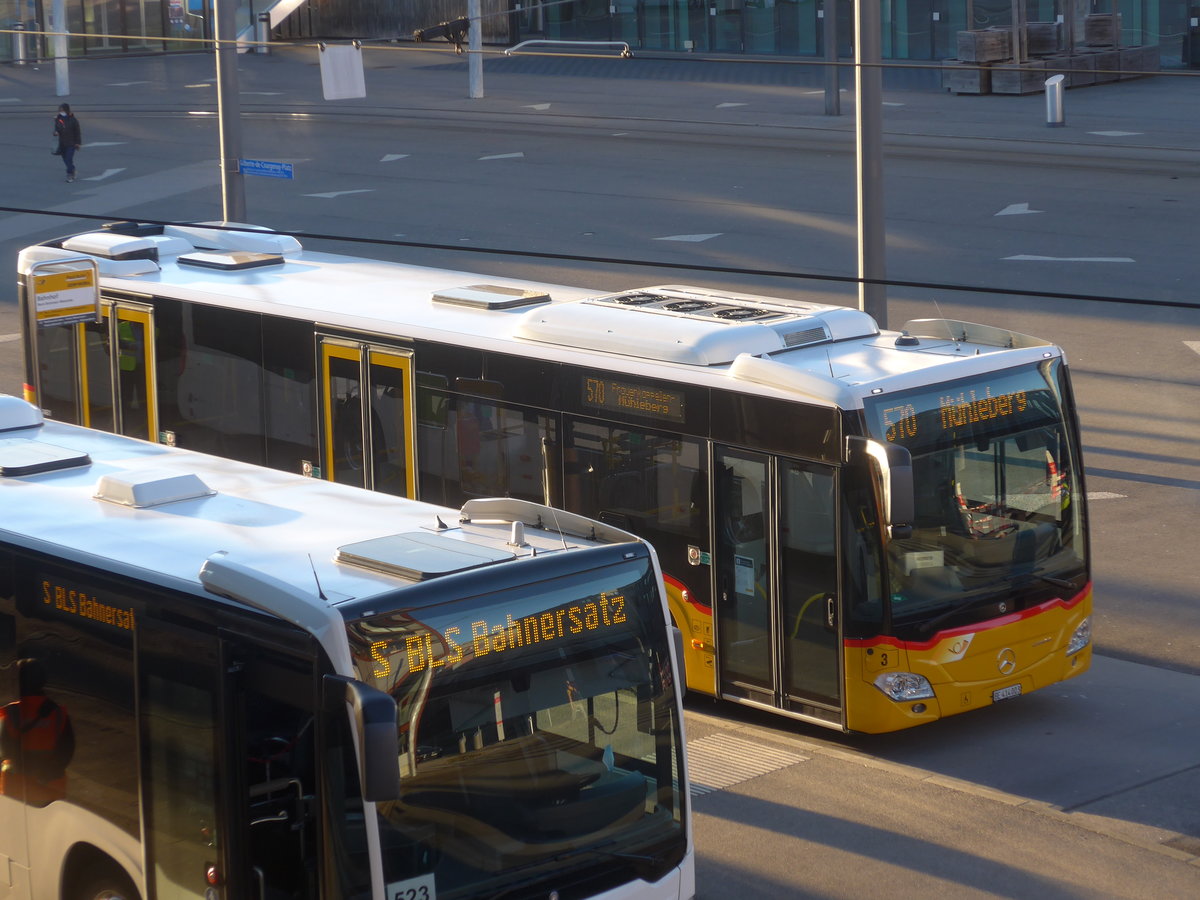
[(265, 167)]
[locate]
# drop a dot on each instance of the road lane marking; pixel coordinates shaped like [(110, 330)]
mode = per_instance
[(540, 107), (517, 155), (6, 338), (392, 157), (689, 238), (1017, 209), (1103, 259), (1116, 133), (329, 195), (721, 760), (107, 173), (1195, 345)]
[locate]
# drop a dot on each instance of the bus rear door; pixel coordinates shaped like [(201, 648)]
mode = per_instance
[(369, 445)]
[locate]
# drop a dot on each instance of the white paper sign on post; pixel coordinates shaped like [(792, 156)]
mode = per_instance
[(342, 71)]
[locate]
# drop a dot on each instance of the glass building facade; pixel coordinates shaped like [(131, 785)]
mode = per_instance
[(912, 30)]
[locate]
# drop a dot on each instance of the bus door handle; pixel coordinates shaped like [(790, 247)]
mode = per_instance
[(281, 816), (831, 611), (262, 882)]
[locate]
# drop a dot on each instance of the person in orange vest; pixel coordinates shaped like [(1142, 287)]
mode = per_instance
[(36, 740)]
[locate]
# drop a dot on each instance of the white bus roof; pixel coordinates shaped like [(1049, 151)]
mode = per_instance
[(159, 513), (827, 354)]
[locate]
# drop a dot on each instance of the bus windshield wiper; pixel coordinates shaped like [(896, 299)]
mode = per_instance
[(1067, 583)]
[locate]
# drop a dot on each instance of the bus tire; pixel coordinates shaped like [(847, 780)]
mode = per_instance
[(105, 884)]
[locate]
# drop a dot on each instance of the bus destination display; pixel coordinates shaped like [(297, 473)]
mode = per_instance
[(428, 649), (954, 411), (633, 399), (1009, 401)]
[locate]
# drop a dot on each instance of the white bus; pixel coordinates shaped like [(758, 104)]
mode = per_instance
[(864, 529), (280, 687)]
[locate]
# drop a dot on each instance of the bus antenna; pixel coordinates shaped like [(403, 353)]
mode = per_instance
[(562, 537), (320, 590)]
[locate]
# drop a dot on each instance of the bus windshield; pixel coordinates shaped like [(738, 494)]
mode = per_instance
[(995, 527), (539, 738)]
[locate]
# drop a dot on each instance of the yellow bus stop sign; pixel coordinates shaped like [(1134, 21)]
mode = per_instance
[(65, 293)]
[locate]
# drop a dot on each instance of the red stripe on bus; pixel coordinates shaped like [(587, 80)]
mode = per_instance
[(686, 594), (972, 629)]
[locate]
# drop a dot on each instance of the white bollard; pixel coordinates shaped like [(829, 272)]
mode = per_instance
[(1054, 101)]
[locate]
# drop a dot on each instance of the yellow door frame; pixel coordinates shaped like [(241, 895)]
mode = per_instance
[(367, 355), (125, 312)]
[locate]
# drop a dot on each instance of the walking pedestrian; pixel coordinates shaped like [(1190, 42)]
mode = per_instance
[(70, 138)]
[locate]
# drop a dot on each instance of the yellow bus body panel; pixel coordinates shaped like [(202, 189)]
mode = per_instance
[(965, 666)]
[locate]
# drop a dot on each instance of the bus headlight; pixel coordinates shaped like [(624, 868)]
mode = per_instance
[(1081, 638), (904, 686)]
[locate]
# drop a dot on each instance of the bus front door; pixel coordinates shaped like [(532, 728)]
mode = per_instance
[(268, 702), (101, 374), (745, 616), (777, 622), (370, 444)]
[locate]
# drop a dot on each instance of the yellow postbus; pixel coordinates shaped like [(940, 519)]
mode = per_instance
[(863, 529)]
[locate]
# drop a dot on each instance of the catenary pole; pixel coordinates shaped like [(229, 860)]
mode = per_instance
[(229, 114), (868, 95)]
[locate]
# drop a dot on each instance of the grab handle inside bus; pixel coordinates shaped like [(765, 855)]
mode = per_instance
[(376, 737), (891, 464)]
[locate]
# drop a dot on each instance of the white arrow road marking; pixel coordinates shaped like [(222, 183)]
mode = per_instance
[(1105, 259), (503, 156), (392, 157), (329, 195), (10, 99), (261, 93), (1017, 209), (1195, 345), (891, 103), (126, 83), (107, 173), (1116, 133), (540, 107), (728, 105), (692, 238), (1104, 495), (106, 143)]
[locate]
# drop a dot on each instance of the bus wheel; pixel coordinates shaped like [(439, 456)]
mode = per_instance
[(106, 886)]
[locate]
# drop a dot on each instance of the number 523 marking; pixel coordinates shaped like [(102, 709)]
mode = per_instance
[(420, 888)]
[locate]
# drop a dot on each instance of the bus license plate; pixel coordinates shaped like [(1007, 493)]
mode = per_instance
[(1013, 690)]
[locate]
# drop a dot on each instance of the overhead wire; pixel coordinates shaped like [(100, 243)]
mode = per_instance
[(652, 264)]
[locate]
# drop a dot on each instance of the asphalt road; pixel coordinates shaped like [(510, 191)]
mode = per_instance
[(1083, 790)]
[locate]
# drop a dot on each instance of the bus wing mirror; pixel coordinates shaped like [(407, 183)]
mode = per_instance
[(892, 465), (377, 745)]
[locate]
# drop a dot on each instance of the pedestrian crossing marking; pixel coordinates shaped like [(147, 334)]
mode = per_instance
[(722, 760)]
